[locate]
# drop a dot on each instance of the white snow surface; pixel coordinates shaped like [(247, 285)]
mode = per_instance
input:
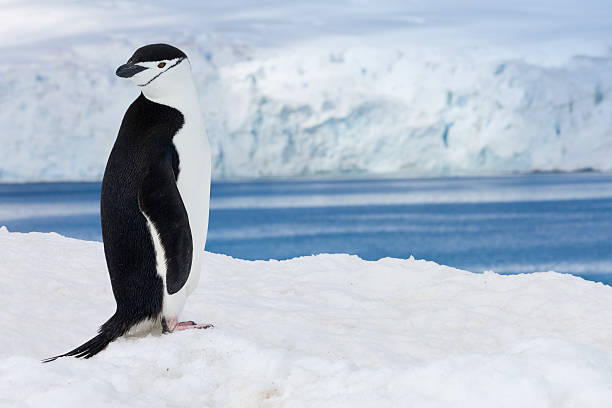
[(319, 87), (326, 330)]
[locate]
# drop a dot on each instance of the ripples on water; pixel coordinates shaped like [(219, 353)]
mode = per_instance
[(511, 224)]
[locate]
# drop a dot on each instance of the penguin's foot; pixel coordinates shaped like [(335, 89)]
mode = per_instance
[(170, 325), (190, 324)]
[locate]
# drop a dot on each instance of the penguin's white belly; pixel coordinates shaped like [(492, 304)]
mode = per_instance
[(193, 184)]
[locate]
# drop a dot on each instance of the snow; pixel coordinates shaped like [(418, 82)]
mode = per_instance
[(326, 330), (308, 88)]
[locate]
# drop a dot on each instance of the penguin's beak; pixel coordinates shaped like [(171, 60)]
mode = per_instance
[(129, 70)]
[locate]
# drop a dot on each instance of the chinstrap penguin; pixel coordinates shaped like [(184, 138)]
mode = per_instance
[(155, 199)]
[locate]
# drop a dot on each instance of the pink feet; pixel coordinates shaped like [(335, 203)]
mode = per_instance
[(168, 326), (190, 324)]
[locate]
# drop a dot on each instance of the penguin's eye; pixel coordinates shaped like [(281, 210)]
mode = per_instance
[(161, 65)]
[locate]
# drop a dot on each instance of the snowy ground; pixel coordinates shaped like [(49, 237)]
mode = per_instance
[(319, 87), (330, 330)]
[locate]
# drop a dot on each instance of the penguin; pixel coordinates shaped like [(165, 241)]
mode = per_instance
[(154, 202)]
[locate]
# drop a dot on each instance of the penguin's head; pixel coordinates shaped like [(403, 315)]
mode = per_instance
[(155, 66)]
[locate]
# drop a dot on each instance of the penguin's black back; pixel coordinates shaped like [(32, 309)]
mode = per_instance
[(133, 172), (145, 138)]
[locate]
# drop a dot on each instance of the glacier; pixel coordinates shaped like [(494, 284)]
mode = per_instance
[(311, 88)]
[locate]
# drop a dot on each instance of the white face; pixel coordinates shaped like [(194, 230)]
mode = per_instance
[(157, 71)]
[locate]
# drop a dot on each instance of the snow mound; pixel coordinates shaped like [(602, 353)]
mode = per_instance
[(306, 88), (327, 330)]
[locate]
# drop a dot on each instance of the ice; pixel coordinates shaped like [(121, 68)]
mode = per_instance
[(311, 88), (329, 330)]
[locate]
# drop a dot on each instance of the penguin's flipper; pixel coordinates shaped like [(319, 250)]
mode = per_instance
[(161, 203)]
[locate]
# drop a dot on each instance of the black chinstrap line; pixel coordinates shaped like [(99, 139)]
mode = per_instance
[(163, 72)]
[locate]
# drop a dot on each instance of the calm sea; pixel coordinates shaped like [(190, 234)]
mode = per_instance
[(513, 224)]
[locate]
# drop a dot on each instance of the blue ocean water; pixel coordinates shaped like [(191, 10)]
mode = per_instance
[(511, 224)]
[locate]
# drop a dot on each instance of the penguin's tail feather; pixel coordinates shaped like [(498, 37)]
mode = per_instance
[(115, 327)]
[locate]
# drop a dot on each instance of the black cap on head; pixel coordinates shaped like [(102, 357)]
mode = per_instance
[(156, 52)]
